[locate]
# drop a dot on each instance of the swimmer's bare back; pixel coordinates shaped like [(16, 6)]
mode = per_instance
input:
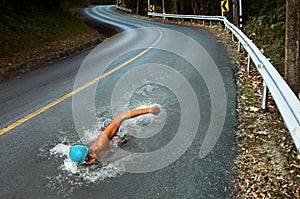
[(102, 144)]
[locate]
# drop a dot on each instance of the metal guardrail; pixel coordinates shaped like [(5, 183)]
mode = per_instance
[(198, 17), (286, 101), (123, 9)]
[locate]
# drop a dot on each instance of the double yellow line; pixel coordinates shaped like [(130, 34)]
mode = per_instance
[(63, 98)]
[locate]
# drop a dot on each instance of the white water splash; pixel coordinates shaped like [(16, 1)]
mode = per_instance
[(70, 166), (60, 150), (92, 173)]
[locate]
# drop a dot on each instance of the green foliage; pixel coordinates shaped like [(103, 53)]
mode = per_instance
[(35, 25), (266, 27)]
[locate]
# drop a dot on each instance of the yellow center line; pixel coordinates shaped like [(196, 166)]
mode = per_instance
[(63, 98)]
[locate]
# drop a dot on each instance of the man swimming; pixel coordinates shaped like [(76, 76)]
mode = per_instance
[(83, 155)]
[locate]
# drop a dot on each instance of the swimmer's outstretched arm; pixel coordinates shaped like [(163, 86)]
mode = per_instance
[(113, 127), (100, 145)]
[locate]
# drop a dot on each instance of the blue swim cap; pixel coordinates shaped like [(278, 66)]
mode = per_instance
[(78, 153)]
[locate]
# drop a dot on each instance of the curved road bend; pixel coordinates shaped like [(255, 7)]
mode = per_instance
[(184, 69)]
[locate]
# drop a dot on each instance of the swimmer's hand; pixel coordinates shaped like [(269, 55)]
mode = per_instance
[(155, 110), (91, 160)]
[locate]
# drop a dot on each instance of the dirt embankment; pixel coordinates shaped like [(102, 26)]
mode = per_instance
[(33, 58)]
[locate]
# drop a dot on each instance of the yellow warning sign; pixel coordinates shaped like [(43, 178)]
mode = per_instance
[(152, 8), (225, 6)]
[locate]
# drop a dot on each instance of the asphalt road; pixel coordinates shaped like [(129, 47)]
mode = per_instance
[(186, 152)]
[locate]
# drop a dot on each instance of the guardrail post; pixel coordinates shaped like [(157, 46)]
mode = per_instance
[(232, 36), (296, 137), (248, 64), (210, 23), (264, 97), (239, 46)]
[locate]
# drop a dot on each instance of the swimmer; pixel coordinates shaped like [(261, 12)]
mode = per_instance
[(83, 155)]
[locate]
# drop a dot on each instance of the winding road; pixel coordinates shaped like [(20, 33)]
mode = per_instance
[(187, 151)]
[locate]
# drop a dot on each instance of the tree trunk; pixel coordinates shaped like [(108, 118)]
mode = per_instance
[(292, 44), (203, 7), (175, 6), (195, 7), (182, 6)]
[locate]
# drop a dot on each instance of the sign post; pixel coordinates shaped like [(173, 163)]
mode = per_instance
[(241, 15)]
